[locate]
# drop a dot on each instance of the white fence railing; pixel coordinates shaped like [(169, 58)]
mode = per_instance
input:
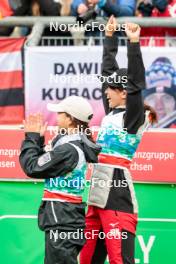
[(40, 23)]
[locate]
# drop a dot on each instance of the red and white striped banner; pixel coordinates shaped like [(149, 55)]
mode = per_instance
[(11, 81)]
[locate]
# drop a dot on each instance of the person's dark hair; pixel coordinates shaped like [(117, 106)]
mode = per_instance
[(117, 88), (152, 115), (83, 127)]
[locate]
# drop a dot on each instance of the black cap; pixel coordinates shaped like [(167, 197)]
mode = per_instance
[(116, 80)]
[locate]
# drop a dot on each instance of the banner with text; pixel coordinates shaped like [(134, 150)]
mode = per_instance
[(53, 73), (154, 161)]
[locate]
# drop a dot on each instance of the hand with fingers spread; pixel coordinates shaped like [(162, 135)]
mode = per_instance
[(132, 31), (43, 125), (35, 123), (111, 26)]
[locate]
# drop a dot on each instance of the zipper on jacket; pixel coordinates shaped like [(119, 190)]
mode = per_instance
[(53, 211)]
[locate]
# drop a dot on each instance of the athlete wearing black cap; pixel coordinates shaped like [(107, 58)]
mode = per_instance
[(113, 209)]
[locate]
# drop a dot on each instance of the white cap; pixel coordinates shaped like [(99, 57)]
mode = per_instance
[(75, 106)]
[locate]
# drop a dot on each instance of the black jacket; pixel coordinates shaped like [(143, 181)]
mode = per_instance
[(60, 160), (134, 116)]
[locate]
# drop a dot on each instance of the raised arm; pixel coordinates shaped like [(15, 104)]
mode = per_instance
[(37, 164), (110, 49), (134, 117)]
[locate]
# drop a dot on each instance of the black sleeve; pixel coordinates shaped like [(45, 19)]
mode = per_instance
[(109, 64), (41, 141), (134, 116), (57, 162)]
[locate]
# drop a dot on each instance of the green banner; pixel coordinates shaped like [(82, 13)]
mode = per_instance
[(23, 243)]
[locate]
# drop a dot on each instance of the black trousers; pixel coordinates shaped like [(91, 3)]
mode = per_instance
[(63, 247), (128, 246), (63, 224)]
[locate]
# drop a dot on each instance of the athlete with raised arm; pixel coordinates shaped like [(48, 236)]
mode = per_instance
[(113, 209)]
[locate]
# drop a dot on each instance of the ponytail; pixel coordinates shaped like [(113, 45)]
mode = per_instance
[(152, 115)]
